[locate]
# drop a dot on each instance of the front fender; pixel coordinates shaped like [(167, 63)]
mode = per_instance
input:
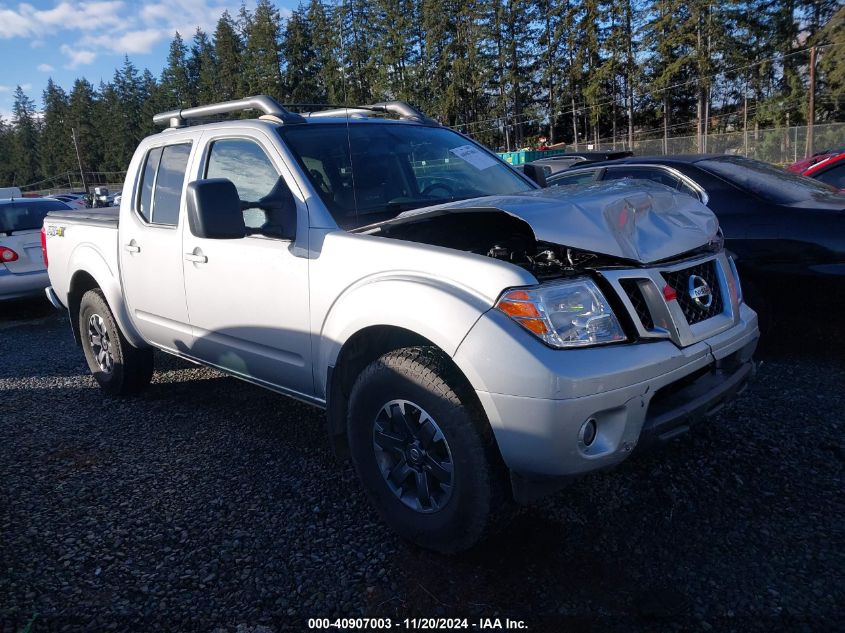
[(88, 258), (441, 312)]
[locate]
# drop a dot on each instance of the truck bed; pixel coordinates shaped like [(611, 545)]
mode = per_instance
[(106, 216)]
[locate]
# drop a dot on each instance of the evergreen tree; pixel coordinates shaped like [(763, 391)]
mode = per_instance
[(55, 144), (24, 154), (302, 69), (325, 36), (261, 65), (81, 118), (202, 69), (175, 82), (227, 52)]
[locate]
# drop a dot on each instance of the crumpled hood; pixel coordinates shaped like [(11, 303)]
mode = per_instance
[(637, 220)]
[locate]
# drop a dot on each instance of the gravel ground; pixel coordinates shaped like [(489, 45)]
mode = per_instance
[(209, 504)]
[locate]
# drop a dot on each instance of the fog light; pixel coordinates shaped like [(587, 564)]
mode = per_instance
[(588, 432)]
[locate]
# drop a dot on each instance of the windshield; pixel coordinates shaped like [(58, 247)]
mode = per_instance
[(767, 181), (370, 172), (26, 216)]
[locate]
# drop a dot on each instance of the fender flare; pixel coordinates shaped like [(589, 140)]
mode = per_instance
[(441, 312), (88, 258)]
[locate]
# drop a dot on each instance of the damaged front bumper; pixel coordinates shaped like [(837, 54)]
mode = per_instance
[(538, 400)]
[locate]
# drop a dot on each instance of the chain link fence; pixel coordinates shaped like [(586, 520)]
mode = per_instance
[(781, 146)]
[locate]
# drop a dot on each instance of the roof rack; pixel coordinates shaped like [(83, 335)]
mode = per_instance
[(268, 105), (402, 109)]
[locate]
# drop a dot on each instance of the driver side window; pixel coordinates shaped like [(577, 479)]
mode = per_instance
[(246, 164)]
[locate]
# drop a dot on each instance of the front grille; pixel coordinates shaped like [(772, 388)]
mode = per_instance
[(680, 281), (635, 296)]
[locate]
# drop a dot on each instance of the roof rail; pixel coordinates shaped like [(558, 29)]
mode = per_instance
[(268, 105), (402, 109)]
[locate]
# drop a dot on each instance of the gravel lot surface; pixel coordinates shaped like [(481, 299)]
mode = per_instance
[(209, 504)]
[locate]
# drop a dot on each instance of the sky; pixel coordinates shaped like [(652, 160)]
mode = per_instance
[(66, 39)]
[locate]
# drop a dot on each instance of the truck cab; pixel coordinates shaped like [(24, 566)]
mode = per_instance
[(474, 340)]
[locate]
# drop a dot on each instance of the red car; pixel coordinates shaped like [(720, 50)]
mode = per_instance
[(828, 166)]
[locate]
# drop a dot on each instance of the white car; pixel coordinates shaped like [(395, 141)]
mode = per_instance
[(23, 272)]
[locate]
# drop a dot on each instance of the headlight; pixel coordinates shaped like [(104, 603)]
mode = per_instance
[(572, 313)]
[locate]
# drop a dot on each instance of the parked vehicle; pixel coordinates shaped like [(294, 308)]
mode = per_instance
[(827, 167), (561, 162), (73, 200), (10, 192), (22, 269), (473, 341), (786, 230)]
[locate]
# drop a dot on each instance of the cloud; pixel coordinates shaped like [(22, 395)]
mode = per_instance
[(11, 89), (27, 21), (130, 42), (45, 68), (77, 57), (113, 26)]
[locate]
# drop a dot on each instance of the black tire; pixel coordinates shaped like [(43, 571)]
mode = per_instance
[(479, 488), (124, 369)]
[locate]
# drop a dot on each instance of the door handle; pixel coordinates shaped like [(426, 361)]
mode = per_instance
[(132, 247), (196, 258)]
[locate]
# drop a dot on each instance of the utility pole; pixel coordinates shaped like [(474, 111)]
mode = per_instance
[(78, 159), (745, 116), (811, 110)]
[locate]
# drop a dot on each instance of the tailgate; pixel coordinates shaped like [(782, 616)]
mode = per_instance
[(27, 244)]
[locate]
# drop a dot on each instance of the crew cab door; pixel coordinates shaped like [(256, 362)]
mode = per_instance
[(248, 297), (150, 245)]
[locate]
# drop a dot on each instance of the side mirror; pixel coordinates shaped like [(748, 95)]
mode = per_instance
[(535, 173), (280, 210), (214, 210)]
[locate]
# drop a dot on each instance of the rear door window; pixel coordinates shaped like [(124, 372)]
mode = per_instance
[(162, 182), (575, 178), (654, 174), (835, 176)]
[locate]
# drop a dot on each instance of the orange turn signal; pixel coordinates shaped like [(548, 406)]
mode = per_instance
[(518, 309), (538, 326)]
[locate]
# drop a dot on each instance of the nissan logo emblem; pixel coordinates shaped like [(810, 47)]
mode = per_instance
[(700, 292)]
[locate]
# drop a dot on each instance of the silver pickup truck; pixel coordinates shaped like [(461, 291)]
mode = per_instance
[(473, 338)]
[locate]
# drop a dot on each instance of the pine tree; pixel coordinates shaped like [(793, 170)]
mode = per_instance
[(227, 52), (55, 144), (202, 69), (175, 82), (24, 140), (7, 173), (325, 36), (261, 60), (81, 118), (302, 68)]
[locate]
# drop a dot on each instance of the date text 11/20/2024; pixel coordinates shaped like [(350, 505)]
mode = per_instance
[(430, 624)]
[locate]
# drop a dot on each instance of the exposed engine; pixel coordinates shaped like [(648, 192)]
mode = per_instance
[(497, 235)]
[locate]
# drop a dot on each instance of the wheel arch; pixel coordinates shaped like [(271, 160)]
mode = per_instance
[(361, 349), (81, 282)]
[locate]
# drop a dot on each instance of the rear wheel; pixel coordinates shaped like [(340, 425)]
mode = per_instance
[(117, 366), (425, 452)]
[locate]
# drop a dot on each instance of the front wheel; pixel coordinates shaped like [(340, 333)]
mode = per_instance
[(424, 451), (118, 367)]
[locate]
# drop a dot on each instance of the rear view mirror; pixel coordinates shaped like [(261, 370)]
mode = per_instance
[(535, 173), (214, 210)]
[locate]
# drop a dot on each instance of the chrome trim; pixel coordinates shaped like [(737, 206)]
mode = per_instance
[(675, 172), (669, 320)]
